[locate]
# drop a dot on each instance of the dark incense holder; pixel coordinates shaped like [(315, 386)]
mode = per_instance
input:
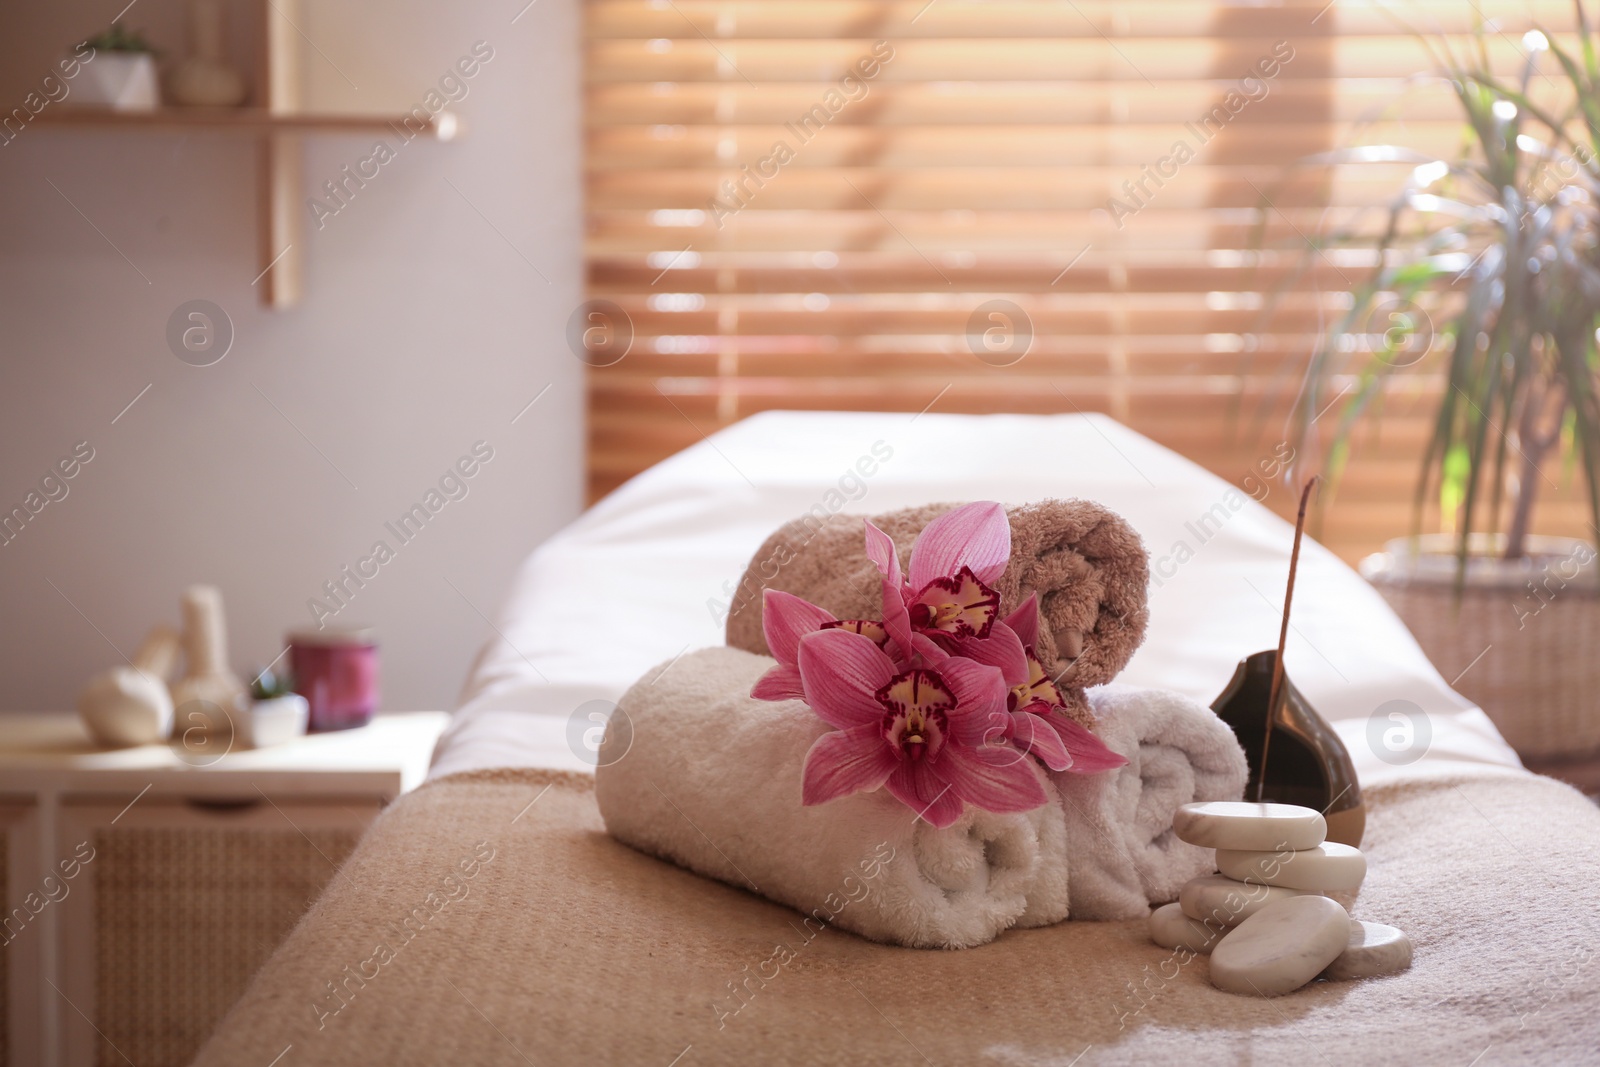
[(1310, 765), (1312, 768)]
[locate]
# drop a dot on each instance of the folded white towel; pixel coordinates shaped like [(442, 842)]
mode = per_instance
[(1124, 855), (711, 781)]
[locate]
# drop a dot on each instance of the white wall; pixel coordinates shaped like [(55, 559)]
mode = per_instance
[(422, 331)]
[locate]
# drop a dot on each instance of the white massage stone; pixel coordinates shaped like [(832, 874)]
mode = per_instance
[(1373, 949), (1237, 824), (1328, 868), (1281, 947), (1171, 928), (1222, 900)]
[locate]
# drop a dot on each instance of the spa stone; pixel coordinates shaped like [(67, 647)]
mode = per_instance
[(1223, 900), (1373, 949), (1328, 868), (1240, 825), (1281, 947), (1171, 928)]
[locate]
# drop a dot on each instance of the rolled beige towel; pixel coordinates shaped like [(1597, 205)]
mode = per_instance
[(694, 771), (1085, 562)]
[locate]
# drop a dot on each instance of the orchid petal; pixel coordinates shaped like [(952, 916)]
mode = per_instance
[(883, 554), (840, 672), (1025, 621), (928, 649), (1089, 754), (994, 777), (919, 703), (842, 762), (988, 727), (917, 787), (780, 683), (865, 627), (1002, 649), (1037, 688), (980, 694), (1034, 735), (897, 620), (974, 535), (960, 605), (785, 619)]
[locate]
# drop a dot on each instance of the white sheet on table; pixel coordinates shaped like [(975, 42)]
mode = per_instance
[(632, 583)]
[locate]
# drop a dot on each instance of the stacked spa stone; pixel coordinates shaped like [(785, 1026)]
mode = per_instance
[(1264, 920)]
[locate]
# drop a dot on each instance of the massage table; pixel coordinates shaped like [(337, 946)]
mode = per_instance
[(487, 918)]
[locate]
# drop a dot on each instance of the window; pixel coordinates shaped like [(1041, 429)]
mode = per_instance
[(1027, 205)]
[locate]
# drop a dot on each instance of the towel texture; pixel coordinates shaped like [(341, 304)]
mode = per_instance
[(1125, 856), (1086, 563), (696, 772)]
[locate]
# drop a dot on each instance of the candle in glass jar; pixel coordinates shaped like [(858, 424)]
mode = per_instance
[(336, 670)]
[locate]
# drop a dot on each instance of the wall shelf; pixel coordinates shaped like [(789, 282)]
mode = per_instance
[(441, 127), (278, 122)]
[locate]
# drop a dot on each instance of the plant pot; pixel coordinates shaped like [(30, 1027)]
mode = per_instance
[(274, 721), (1522, 640), (121, 81)]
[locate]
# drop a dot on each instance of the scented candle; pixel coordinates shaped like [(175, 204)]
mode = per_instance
[(336, 670)]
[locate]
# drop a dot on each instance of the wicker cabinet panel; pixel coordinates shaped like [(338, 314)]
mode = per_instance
[(183, 904), (184, 917)]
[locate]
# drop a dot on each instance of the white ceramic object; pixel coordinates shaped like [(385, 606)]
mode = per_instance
[(1373, 949), (131, 705), (1281, 947), (1217, 899), (1241, 825), (121, 81), (1328, 868), (209, 696), (1171, 928), (272, 722), (125, 706), (206, 78)]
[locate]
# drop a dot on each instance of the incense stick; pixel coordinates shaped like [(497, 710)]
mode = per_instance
[(1283, 635)]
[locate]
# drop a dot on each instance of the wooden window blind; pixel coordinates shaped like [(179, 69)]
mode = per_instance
[(1018, 205)]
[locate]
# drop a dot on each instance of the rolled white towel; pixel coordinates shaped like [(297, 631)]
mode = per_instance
[(1124, 855), (710, 780)]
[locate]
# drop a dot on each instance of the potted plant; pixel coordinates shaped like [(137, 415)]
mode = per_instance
[(276, 713), (123, 75), (1504, 244)]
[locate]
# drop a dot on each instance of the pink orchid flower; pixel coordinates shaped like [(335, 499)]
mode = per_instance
[(909, 729), (948, 595), (1035, 719), (785, 619), (943, 622), (952, 600)]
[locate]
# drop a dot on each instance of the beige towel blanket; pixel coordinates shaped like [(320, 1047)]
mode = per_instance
[(567, 947)]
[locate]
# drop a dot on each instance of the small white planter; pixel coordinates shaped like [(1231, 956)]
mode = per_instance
[(272, 722), (121, 81)]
